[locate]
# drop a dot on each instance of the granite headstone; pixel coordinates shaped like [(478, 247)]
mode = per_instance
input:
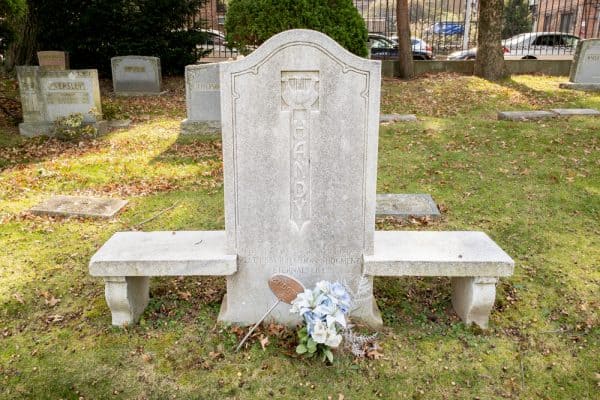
[(136, 75), (53, 60), (203, 99), (585, 69), (300, 131), (47, 95)]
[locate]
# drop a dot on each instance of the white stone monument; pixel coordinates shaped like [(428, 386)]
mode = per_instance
[(300, 166), (136, 75), (202, 99), (585, 69), (47, 95), (300, 118)]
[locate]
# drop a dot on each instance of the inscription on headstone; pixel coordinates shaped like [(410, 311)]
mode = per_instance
[(136, 75), (69, 92), (585, 69), (300, 151), (53, 60), (203, 99)]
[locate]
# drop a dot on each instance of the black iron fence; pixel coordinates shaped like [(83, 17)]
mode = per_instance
[(445, 25)]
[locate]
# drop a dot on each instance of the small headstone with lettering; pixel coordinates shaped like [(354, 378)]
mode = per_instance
[(203, 99), (53, 60), (585, 69), (136, 75), (47, 95)]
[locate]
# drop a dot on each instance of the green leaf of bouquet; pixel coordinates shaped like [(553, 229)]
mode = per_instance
[(301, 349), (311, 345), (303, 333), (329, 355)]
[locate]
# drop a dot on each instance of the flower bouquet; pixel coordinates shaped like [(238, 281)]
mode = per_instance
[(324, 310)]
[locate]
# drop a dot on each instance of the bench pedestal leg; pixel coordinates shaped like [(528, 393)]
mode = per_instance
[(473, 298), (127, 297)]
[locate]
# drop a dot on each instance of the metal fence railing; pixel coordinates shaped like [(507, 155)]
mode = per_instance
[(446, 25)]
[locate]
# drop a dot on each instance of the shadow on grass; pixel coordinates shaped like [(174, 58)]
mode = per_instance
[(191, 149), (18, 150)]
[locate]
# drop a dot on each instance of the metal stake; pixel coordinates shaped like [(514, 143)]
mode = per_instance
[(256, 325)]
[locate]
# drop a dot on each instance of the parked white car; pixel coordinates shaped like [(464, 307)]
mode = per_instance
[(553, 45), (534, 45)]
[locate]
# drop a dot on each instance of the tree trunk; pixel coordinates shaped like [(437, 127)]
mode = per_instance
[(489, 63), (405, 57), (22, 50)]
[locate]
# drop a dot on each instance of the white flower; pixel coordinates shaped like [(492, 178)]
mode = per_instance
[(323, 286), (333, 340), (305, 301), (319, 333), (337, 316)]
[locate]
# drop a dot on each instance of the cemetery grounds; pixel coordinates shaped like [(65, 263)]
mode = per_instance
[(534, 187)]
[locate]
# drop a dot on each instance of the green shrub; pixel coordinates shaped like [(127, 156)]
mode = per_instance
[(251, 22), (72, 127), (113, 111)]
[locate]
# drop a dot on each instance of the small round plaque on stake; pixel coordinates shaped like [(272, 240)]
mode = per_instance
[(285, 287)]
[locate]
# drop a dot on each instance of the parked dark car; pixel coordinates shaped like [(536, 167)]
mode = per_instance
[(447, 28), (383, 48)]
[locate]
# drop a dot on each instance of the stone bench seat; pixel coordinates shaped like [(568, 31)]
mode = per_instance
[(472, 259), (128, 259)]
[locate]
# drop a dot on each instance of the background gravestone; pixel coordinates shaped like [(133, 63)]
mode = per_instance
[(47, 95), (136, 75), (300, 129), (585, 69), (53, 60), (202, 99)]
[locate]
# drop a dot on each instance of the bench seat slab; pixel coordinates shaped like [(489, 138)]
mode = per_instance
[(128, 259), (425, 253), (164, 254), (472, 259)]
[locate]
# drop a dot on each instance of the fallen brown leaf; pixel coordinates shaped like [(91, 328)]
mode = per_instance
[(264, 341)]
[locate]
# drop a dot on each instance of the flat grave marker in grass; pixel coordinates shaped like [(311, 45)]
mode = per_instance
[(525, 115), (570, 112), (136, 75), (386, 118), (404, 206), (75, 206), (202, 99), (585, 68), (47, 95)]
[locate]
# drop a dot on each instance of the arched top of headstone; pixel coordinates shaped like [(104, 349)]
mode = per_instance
[(306, 37)]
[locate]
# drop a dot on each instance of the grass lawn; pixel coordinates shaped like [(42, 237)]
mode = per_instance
[(534, 187)]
